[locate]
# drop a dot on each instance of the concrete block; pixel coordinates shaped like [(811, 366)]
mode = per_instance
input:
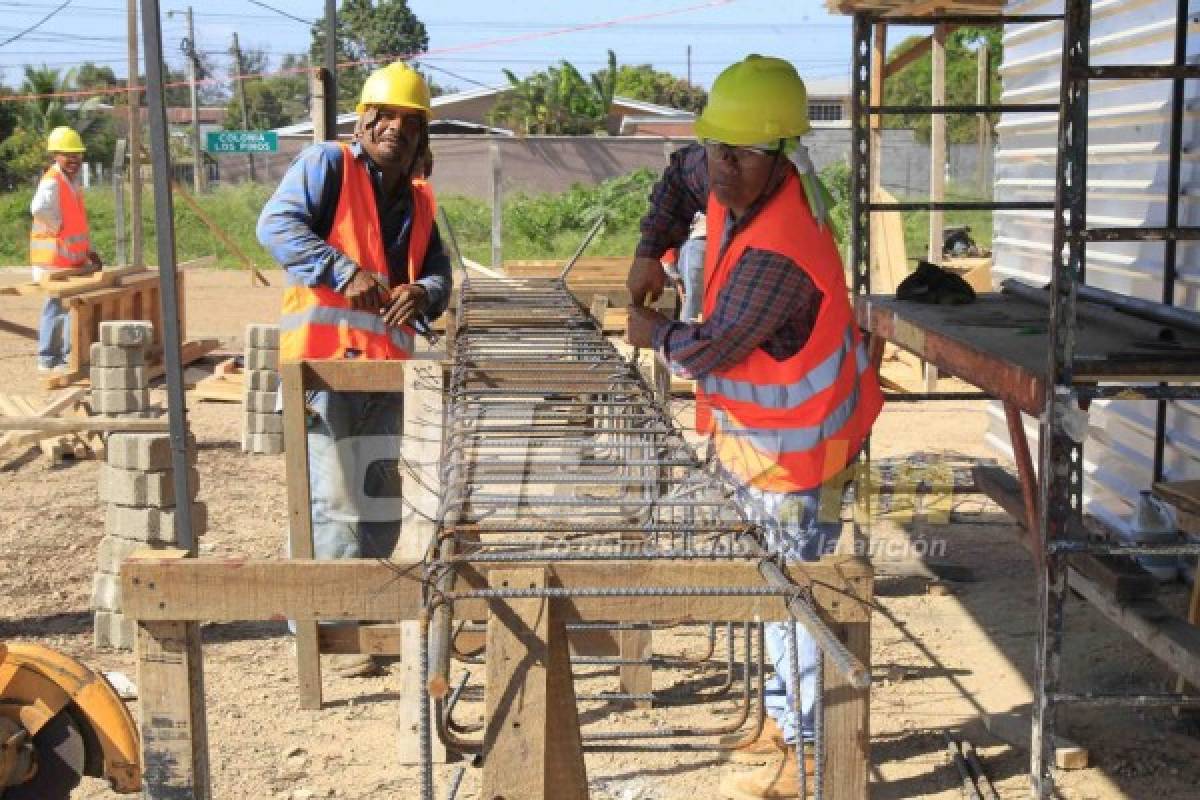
[(151, 525), (262, 359), (262, 402), (127, 487), (111, 356), (269, 444), (114, 631), (261, 380), (106, 591), (120, 401), (144, 451), (264, 423), (126, 333), (118, 378), (262, 337), (115, 549)]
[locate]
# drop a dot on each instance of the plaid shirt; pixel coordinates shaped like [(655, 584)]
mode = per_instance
[(769, 301)]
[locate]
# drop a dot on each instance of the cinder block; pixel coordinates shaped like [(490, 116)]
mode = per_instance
[(118, 378), (264, 423), (144, 451), (262, 359), (262, 337), (262, 402), (126, 333), (151, 525), (106, 592), (114, 631), (115, 549), (268, 444), (127, 487), (261, 380), (120, 401), (112, 356)]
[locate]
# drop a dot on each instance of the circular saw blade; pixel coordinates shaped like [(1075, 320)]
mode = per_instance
[(60, 752)]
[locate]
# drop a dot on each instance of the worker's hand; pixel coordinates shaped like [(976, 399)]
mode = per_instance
[(639, 329), (94, 260), (365, 292), (646, 279), (407, 301)]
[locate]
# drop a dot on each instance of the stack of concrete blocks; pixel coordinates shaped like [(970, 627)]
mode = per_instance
[(118, 370), (137, 487), (262, 431)]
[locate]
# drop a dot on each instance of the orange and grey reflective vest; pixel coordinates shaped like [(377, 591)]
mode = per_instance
[(790, 425), (318, 321), (68, 245)]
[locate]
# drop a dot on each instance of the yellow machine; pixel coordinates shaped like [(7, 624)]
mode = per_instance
[(60, 721)]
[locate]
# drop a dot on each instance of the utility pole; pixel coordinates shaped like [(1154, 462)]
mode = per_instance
[(135, 139), (689, 64), (188, 46), (331, 94), (241, 90)]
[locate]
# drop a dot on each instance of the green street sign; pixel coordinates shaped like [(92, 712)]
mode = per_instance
[(242, 142)]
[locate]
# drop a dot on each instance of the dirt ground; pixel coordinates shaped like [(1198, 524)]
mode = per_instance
[(959, 661)]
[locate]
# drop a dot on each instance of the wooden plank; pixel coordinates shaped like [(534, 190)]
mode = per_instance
[(421, 449), (353, 375), (191, 351), (53, 425), (24, 331), (222, 389), (847, 709), (174, 730), (386, 639), (225, 590), (300, 541), (1185, 496), (531, 742)]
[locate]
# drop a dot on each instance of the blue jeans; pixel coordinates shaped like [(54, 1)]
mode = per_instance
[(353, 445), (791, 526), (54, 334), (691, 271)]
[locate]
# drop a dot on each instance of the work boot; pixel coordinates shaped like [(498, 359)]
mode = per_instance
[(356, 665), (778, 780), (767, 747)]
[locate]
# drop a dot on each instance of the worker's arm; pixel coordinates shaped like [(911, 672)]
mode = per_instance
[(45, 208), (679, 194), (295, 220), (768, 302), (429, 295)]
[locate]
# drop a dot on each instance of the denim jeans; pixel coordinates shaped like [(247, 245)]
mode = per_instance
[(353, 446), (691, 271), (54, 334), (792, 528)]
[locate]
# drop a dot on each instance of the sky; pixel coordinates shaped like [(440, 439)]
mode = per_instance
[(470, 41)]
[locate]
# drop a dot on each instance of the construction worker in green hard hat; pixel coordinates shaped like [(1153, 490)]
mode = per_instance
[(59, 240), (783, 386), (352, 223)]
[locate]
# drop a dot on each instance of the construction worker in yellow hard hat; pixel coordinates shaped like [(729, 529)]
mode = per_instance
[(783, 387), (353, 225), (59, 240)]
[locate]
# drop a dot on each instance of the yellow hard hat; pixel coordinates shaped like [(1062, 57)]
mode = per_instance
[(754, 101), (397, 84), (64, 140)]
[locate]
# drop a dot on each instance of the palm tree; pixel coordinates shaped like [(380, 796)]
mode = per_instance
[(50, 108)]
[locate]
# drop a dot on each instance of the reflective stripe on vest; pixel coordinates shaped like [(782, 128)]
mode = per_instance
[(319, 322), (69, 245), (788, 425)]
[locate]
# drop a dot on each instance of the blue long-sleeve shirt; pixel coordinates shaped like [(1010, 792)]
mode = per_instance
[(295, 221)]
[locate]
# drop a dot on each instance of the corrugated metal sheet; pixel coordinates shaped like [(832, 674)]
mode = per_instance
[(1127, 174)]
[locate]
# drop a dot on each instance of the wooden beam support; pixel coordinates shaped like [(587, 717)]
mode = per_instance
[(531, 743), (847, 709), (351, 375)]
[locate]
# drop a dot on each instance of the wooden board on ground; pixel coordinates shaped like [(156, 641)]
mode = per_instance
[(57, 446), (228, 388)]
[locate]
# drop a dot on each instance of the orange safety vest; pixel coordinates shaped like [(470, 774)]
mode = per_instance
[(790, 425), (68, 245), (318, 321)]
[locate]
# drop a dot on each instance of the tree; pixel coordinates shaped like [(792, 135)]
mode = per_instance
[(912, 85), (557, 100), (272, 100), (370, 33), (644, 82)]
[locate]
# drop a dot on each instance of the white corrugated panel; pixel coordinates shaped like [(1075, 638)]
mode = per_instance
[(1128, 134)]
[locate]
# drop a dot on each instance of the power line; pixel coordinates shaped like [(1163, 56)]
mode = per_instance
[(284, 13), (36, 25)]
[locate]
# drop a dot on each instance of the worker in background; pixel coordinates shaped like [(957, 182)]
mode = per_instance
[(353, 225), (783, 387), (59, 240)]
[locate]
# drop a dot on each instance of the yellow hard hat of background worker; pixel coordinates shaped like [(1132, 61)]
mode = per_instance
[(64, 140), (755, 101), (397, 84)]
